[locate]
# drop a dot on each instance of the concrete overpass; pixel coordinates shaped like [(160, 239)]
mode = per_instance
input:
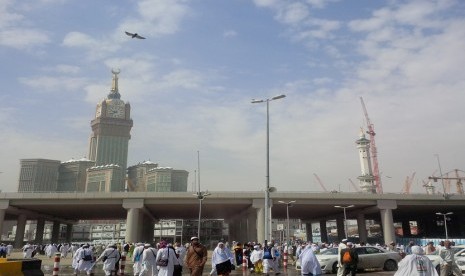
[(243, 210)]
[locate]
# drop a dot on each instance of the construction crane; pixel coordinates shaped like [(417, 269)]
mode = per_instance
[(408, 184), (374, 151), (354, 186), (445, 177), (320, 182)]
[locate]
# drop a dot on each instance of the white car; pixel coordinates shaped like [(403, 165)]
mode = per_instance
[(459, 255), (369, 257), (461, 263)]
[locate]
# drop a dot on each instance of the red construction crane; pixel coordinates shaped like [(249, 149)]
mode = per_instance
[(408, 184), (374, 152), (320, 182)]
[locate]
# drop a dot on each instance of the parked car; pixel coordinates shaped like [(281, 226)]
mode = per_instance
[(369, 257), (461, 263)]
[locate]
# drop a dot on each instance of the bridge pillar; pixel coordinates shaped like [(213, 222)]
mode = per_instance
[(39, 238), (362, 228), (147, 229), (20, 229), (323, 231), (69, 232), (3, 206), (340, 228), (251, 225), (259, 204), (387, 221), (55, 231), (133, 232)]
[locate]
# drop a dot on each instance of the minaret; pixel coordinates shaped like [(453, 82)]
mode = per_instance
[(366, 178)]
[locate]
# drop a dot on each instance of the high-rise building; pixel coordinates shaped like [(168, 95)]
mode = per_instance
[(111, 133), (38, 175), (106, 168), (137, 176), (148, 177), (72, 175), (165, 179)]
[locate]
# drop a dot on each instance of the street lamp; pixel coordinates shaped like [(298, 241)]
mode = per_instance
[(200, 196), (267, 190), (288, 204), (345, 216), (445, 221)]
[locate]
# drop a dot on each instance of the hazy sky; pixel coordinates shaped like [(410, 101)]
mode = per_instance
[(191, 81)]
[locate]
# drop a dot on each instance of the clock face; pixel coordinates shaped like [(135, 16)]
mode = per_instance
[(115, 111)]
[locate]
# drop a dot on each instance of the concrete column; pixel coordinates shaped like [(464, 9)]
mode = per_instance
[(133, 232), (20, 229), (323, 231), (252, 225), (387, 221), (259, 205), (147, 229), (55, 232), (69, 232), (132, 225), (3, 206), (362, 228), (308, 229), (39, 238), (340, 228)]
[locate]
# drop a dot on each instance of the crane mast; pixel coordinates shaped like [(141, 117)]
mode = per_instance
[(374, 152)]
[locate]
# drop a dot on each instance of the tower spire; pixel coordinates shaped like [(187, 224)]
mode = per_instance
[(366, 178), (114, 93)]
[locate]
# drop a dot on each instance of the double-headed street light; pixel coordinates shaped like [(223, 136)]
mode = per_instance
[(345, 217), (267, 189), (288, 204), (200, 196), (445, 221)]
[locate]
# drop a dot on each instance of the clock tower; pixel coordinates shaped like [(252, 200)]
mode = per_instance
[(111, 133)]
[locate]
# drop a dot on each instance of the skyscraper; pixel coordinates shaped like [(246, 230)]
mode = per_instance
[(110, 136)]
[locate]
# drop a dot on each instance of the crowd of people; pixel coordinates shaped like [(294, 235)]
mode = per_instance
[(165, 259)]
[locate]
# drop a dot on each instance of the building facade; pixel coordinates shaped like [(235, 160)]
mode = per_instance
[(72, 175), (38, 175)]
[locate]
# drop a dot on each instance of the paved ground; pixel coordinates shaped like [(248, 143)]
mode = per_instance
[(66, 270)]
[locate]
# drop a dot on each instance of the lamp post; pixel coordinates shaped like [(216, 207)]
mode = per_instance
[(288, 204), (267, 189), (200, 196), (345, 216), (445, 221)]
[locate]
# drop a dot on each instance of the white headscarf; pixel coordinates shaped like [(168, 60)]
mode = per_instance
[(309, 263), (221, 255), (416, 264)]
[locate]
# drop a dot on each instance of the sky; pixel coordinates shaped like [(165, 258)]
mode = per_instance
[(191, 81)]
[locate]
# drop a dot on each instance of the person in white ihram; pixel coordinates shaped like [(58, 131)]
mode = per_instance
[(110, 256), (137, 259), (416, 264), (86, 259), (309, 263), (341, 269), (149, 264), (166, 253)]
